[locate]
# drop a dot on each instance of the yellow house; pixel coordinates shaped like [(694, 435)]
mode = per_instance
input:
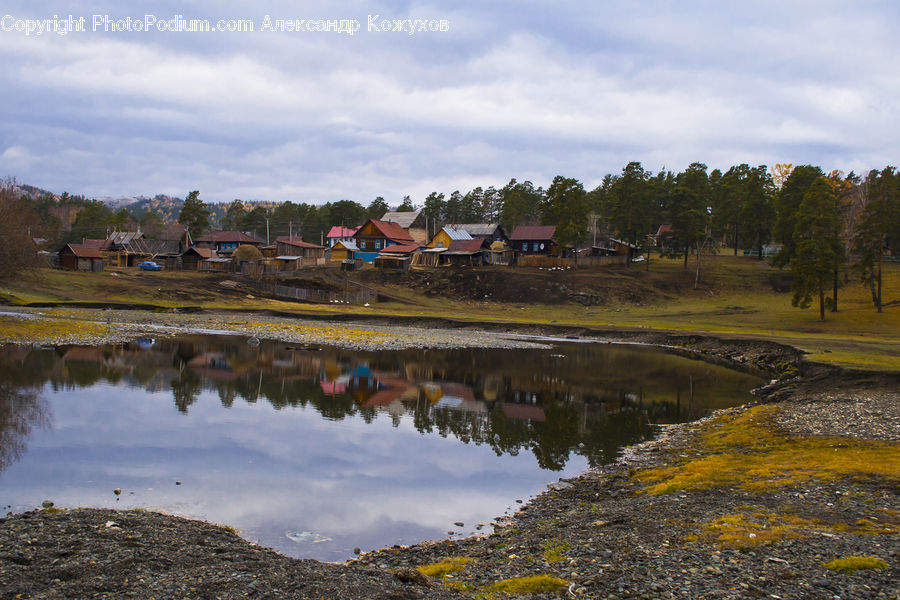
[(343, 250), (445, 236)]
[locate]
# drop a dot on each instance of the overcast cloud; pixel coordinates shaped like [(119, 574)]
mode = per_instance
[(513, 89)]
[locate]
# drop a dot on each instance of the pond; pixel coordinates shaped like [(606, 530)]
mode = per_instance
[(317, 451)]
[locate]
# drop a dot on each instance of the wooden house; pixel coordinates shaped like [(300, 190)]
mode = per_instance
[(226, 242), (192, 257), (295, 246), (343, 250), (340, 234), (534, 239), (488, 232), (78, 257), (468, 253), (447, 235), (411, 221), (375, 236)]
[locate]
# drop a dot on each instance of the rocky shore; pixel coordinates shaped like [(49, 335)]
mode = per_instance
[(798, 497)]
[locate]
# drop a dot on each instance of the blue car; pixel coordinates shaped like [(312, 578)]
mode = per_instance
[(149, 265)]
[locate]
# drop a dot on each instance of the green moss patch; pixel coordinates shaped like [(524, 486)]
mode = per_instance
[(748, 452), (852, 564), (533, 584), (445, 567)]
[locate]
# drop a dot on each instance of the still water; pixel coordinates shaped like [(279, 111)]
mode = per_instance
[(317, 451)]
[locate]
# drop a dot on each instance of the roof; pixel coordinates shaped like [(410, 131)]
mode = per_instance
[(347, 245), (340, 232), (664, 229), (82, 251), (402, 248), (295, 241), (622, 243), (124, 237), (228, 236), (533, 232), (477, 228), (465, 247), (457, 234), (163, 246), (288, 258), (392, 231), (93, 243), (403, 219), (201, 252)]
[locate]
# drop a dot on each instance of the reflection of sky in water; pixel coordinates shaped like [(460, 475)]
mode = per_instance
[(275, 442), (267, 472)]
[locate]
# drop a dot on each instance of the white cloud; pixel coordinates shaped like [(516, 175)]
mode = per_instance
[(520, 90)]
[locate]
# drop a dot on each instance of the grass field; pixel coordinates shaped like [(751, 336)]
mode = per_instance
[(736, 298)]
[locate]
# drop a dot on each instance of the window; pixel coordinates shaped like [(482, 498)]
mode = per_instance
[(377, 244), (537, 247), (362, 244), (524, 246)]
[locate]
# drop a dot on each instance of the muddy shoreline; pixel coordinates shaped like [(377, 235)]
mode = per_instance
[(597, 533)]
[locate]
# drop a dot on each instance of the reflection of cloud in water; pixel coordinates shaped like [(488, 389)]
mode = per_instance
[(368, 449)]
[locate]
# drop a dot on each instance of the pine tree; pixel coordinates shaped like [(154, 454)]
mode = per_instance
[(817, 245)]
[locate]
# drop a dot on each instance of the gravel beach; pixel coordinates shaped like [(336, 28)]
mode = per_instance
[(600, 535)]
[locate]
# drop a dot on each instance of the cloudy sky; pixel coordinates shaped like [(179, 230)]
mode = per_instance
[(513, 88)]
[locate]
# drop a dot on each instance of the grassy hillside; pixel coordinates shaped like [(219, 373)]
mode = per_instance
[(737, 296)]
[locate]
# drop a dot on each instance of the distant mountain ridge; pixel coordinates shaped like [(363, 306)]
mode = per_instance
[(166, 207)]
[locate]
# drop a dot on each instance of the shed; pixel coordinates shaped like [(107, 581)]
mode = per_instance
[(398, 256), (343, 250), (295, 246), (77, 257), (215, 264), (464, 253), (288, 263), (192, 257)]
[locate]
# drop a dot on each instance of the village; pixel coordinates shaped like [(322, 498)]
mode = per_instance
[(399, 240)]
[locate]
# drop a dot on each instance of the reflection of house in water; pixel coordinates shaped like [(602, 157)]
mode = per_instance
[(389, 397), (454, 396), (212, 365)]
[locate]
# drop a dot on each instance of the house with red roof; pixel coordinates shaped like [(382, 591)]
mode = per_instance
[(78, 257), (375, 236), (534, 239), (339, 233)]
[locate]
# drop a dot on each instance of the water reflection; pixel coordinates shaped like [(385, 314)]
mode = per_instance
[(585, 398), (21, 407), (294, 445)]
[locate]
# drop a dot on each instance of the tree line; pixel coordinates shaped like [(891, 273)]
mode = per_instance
[(827, 225)]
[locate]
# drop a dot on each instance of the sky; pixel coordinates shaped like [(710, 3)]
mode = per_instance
[(508, 89)]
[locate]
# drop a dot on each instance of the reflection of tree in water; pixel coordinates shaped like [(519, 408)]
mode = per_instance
[(186, 389), (21, 410), (583, 399)]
